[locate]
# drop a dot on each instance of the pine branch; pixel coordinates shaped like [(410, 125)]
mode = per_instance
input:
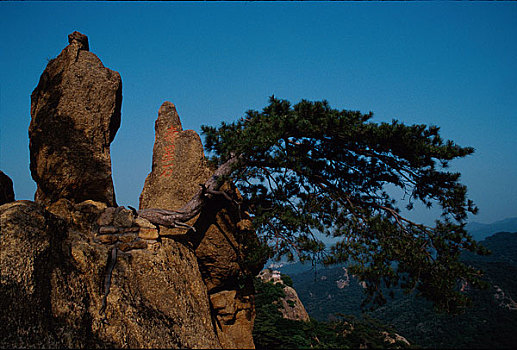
[(178, 218)]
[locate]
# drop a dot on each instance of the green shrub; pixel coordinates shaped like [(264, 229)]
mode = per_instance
[(286, 279)]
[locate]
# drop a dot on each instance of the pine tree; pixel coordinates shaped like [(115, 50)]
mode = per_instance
[(310, 168)]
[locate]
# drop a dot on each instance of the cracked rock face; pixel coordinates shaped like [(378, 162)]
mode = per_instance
[(75, 110), (54, 251), (167, 289)]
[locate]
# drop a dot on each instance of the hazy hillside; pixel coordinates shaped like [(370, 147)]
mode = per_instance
[(481, 231), (491, 322)]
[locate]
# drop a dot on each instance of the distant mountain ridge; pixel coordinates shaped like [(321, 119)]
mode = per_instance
[(478, 230), (481, 231)]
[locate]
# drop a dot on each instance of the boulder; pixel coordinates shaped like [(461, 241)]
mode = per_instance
[(291, 306), (75, 110), (178, 168), (6, 188), (52, 275)]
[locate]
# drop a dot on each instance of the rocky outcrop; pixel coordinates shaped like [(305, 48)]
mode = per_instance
[(504, 300), (393, 338), (6, 189), (222, 237), (53, 278), (29, 248), (291, 306), (224, 241), (78, 272), (75, 110)]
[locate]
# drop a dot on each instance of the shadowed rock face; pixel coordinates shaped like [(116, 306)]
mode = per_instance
[(52, 272), (222, 238), (75, 113), (6, 188), (54, 253)]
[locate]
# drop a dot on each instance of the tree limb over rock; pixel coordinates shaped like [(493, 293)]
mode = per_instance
[(178, 218)]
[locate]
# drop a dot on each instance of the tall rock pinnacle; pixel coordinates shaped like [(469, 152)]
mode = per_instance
[(179, 164), (75, 112), (223, 236)]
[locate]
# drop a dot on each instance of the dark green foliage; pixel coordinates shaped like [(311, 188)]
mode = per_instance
[(272, 331), (321, 296), (286, 279), (308, 167)]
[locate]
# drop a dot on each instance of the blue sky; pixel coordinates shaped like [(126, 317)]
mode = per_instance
[(451, 64)]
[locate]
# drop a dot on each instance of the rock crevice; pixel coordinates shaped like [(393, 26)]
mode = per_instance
[(55, 263)]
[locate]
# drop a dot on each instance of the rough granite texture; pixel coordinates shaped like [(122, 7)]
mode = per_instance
[(55, 253), (178, 167), (52, 273), (292, 307), (75, 111)]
